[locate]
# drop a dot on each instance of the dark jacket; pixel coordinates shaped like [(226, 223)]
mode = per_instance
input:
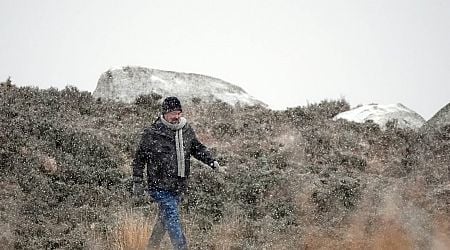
[(157, 152)]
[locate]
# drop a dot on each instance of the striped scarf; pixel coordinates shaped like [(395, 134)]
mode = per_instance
[(178, 128)]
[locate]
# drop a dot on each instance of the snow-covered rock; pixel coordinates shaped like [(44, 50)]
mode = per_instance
[(381, 114), (127, 83)]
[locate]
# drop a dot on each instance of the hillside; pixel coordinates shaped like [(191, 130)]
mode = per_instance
[(296, 179), (439, 120)]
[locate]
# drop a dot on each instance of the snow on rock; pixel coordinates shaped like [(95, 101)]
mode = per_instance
[(127, 83), (381, 114)]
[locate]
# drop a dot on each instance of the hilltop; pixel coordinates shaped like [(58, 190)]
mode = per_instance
[(439, 120)]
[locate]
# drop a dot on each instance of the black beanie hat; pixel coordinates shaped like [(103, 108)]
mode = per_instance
[(171, 104)]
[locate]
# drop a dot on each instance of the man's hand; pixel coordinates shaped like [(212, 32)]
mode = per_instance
[(139, 196), (138, 189), (218, 168)]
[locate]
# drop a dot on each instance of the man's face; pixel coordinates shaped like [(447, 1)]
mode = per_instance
[(173, 117)]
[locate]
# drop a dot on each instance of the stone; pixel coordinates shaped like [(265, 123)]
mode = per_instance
[(128, 83)]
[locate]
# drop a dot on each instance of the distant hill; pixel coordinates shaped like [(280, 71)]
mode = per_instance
[(127, 83), (440, 119), (382, 114)]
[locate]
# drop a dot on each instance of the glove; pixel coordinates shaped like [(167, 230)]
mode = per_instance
[(139, 198), (215, 165), (138, 189)]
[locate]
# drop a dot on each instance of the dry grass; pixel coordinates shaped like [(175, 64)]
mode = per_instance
[(441, 232), (132, 231), (227, 234), (380, 224), (388, 235), (6, 236)]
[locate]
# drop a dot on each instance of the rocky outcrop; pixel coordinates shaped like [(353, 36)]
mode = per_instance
[(127, 83), (382, 114)]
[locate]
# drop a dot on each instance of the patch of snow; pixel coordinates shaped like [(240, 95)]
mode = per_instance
[(156, 79), (382, 114)]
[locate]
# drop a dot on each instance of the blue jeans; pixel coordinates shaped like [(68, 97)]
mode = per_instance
[(168, 220)]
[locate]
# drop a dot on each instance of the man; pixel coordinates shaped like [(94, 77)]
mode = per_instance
[(165, 148)]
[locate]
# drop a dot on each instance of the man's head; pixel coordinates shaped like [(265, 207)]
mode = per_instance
[(171, 109)]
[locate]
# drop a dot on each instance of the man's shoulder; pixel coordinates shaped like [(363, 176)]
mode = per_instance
[(188, 126), (156, 128), (150, 129), (156, 125)]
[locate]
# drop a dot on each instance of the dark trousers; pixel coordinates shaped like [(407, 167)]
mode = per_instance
[(168, 220)]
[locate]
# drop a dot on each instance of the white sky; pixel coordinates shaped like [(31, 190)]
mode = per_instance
[(285, 53)]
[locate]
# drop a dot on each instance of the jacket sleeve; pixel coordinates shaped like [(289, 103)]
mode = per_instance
[(140, 158), (201, 152)]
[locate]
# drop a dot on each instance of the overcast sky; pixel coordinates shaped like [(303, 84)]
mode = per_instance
[(285, 53)]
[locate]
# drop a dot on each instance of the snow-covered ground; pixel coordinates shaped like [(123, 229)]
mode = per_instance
[(381, 114)]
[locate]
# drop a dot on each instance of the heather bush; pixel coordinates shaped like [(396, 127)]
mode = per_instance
[(324, 110)]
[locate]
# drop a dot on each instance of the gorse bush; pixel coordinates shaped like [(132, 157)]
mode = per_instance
[(65, 175), (314, 112)]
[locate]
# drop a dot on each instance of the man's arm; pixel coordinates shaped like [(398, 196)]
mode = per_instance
[(139, 163), (202, 153)]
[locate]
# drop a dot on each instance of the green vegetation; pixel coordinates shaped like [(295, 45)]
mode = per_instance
[(295, 178)]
